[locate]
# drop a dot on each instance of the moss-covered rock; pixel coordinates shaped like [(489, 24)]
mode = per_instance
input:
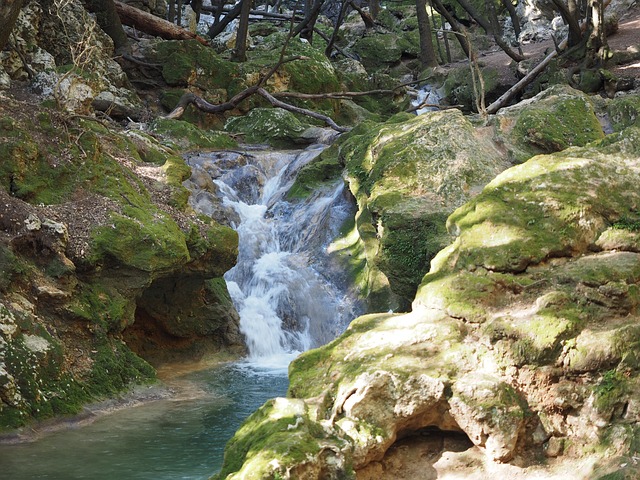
[(188, 63), (459, 87), (378, 50), (184, 136), (280, 434), (553, 120), (624, 111), (94, 224), (523, 335), (275, 126), (407, 175)]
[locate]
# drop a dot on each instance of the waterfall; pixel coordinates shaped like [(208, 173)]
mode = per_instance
[(428, 94), (285, 286)]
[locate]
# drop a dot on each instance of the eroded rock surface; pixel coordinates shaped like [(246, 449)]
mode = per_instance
[(523, 334)]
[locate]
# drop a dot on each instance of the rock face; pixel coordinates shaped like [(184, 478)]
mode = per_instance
[(100, 257), (409, 173), (68, 58), (523, 335)]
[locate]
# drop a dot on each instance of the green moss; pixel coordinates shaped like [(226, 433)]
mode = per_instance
[(53, 174), (184, 136), (569, 121), (115, 368), (44, 389), (624, 111), (274, 126), (407, 247), (277, 436), (326, 167), (187, 62), (12, 268), (146, 240), (217, 247), (610, 390), (378, 50), (103, 306)]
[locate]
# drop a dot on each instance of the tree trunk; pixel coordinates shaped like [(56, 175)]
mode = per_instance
[(570, 15), (374, 8), (9, 11), (515, 20), (154, 25), (305, 28), (334, 35), (455, 26), (597, 48), (109, 21), (218, 27), (427, 54), (490, 27), (239, 54)]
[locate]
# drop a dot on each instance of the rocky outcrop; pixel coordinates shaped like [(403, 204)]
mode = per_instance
[(67, 58), (522, 335), (409, 173), (101, 257)]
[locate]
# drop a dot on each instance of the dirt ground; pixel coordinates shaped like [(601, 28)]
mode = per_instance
[(626, 39)]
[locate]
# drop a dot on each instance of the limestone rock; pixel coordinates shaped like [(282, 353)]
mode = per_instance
[(522, 335), (489, 412), (275, 126), (407, 176)]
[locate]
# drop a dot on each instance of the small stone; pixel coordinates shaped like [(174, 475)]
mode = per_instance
[(554, 447)]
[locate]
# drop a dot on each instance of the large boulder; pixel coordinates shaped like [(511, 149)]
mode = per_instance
[(523, 335), (407, 175)]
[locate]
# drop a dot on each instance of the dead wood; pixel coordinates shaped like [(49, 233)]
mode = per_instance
[(154, 25)]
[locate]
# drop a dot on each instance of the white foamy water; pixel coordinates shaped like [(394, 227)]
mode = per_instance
[(288, 297)]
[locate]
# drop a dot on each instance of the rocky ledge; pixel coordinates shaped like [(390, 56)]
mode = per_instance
[(522, 338), (102, 261)]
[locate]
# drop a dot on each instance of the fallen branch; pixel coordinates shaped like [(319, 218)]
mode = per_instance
[(531, 76), (153, 25), (331, 95), (518, 87), (303, 111)]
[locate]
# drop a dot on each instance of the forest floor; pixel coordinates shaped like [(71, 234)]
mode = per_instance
[(626, 39)]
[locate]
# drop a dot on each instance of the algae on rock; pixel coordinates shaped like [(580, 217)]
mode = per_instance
[(91, 232), (522, 300)]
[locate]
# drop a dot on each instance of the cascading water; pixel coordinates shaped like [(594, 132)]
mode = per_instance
[(291, 295), (284, 287)]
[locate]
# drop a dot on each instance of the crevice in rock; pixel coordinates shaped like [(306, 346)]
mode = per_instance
[(149, 340), (414, 454)]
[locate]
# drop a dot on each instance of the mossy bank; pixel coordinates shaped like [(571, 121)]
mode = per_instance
[(104, 267)]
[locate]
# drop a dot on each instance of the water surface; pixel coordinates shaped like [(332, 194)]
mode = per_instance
[(179, 438)]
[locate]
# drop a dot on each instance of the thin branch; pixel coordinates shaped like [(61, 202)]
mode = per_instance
[(310, 113)]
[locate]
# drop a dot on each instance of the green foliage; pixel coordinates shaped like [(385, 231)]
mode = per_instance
[(631, 224)]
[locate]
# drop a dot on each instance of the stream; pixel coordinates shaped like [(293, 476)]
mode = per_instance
[(291, 295)]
